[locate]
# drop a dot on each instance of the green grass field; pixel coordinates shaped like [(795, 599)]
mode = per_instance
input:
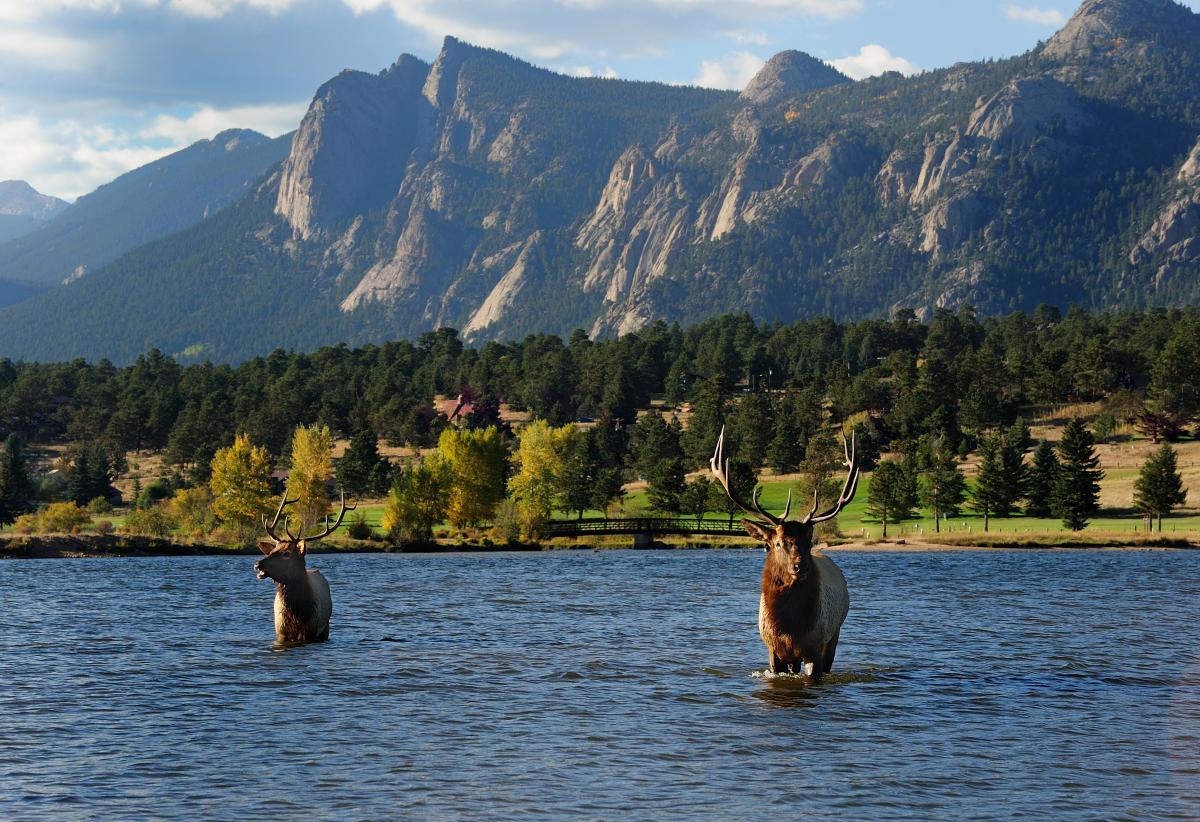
[(854, 521)]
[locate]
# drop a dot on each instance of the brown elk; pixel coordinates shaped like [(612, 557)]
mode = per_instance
[(804, 599), (302, 601)]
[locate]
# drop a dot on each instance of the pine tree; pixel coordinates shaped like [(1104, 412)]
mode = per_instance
[(893, 494), (945, 487), (1077, 487), (357, 470), (580, 472), (79, 479), (1041, 480), (666, 485), (1159, 487), (1002, 477), (15, 489)]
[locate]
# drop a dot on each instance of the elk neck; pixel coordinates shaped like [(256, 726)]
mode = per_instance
[(780, 587), (298, 596)]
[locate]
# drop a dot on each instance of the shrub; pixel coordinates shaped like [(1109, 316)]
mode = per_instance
[(99, 505), (155, 521), (104, 527), (191, 510), (506, 523), (152, 493), (26, 524), (62, 518), (359, 528)]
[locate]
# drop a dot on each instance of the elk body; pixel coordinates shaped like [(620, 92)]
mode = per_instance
[(302, 602), (804, 600)]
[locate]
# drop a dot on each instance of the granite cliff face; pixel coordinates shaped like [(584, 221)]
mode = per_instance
[(484, 193)]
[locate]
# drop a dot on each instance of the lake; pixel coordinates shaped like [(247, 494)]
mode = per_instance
[(602, 685)]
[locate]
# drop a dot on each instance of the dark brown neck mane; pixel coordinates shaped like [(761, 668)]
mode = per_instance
[(795, 599), (298, 597)]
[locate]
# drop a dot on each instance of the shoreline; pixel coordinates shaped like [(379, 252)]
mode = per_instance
[(116, 546)]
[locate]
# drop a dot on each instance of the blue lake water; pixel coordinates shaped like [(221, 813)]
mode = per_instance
[(601, 685)]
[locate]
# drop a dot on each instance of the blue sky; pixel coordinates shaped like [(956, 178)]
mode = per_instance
[(92, 88)]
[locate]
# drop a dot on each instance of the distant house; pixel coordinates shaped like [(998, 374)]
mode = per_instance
[(454, 410)]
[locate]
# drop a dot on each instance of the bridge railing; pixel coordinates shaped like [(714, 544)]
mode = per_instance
[(644, 525)]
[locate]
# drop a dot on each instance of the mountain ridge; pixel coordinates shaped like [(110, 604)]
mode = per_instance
[(484, 193), (160, 198)]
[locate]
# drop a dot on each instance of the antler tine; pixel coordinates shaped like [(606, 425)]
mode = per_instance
[(288, 530), (850, 486), (283, 503), (341, 515), (719, 466)]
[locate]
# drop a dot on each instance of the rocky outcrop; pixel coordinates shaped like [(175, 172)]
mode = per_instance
[(1026, 109), (788, 75), (506, 293), (19, 199), (948, 224), (1117, 29), (947, 157), (1173, 240), (352, 148)]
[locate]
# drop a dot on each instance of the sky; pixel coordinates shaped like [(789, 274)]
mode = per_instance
[(90, 89)]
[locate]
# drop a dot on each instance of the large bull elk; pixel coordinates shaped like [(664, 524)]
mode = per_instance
[(804, 599), (302, 602)]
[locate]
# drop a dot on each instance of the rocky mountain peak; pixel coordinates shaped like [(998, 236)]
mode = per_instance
[(351, 148), (788, 74), (19, 198), (232, 139), (1109, 27)]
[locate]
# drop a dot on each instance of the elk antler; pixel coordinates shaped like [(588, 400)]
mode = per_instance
[(329, 529), (719, 466), (848, 487), (283, 503)]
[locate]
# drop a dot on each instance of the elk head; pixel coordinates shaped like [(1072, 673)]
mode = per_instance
[(283, 558), (788, 544)]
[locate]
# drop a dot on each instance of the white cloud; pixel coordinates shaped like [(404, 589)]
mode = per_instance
[(68, 158), (551, 30), (206, 121), (749, 38), (872, 59), (587, 71), (733, 71), (1041, 17)]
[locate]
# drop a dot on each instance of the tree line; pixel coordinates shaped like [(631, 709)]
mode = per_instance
[(930, 392)]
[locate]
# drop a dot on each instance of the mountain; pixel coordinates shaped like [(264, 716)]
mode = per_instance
[(23, 209), (487, 194), (157, 199)]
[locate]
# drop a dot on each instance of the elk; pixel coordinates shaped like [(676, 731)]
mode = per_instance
[(302, 602), (804, 599)]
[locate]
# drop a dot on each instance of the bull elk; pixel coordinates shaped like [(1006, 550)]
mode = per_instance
[(804, 599), (302, 602)]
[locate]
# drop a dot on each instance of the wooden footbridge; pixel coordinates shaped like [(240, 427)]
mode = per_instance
[(645, 529)]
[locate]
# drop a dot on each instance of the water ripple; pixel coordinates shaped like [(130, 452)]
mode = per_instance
[(967, 686)]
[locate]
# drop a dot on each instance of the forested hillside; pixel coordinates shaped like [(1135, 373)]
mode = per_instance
[(954, 377)]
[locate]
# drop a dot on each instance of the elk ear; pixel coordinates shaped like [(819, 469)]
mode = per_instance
[(300, 547), (757, 531), (266, 546)]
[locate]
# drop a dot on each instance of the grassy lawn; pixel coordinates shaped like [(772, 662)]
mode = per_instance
[(854, 521)]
